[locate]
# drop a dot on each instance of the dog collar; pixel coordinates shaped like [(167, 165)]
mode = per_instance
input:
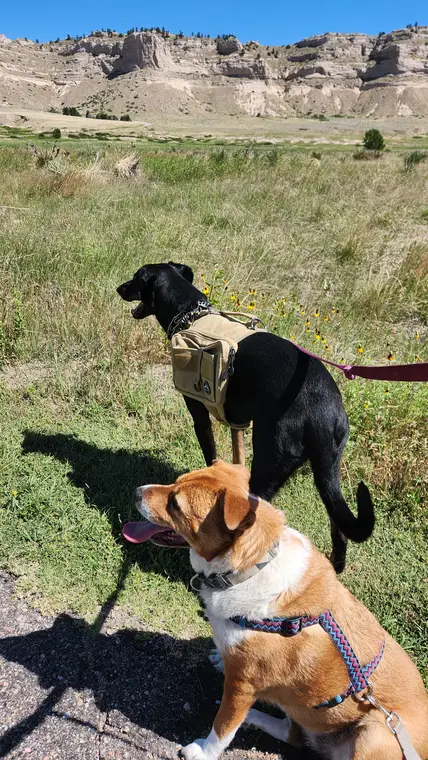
[(185, 318), (358, 674), (222, 581)]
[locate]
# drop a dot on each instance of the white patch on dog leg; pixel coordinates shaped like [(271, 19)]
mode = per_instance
[(207, 749), (215, 659), (279, 728)]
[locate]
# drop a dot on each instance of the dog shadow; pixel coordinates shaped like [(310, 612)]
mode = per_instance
[(108, 479), (163, 686)]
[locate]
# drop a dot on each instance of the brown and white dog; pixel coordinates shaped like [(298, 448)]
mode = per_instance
[(231, 532)]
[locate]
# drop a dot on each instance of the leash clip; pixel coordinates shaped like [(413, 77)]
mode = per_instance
[(394, 724), (391, 717)]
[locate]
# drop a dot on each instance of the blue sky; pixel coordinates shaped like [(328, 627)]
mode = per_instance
[(278, 22)]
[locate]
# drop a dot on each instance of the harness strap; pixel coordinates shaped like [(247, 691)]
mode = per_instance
[(358, 674)]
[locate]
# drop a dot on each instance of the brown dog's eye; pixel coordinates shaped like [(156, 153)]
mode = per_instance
[(172, 506)]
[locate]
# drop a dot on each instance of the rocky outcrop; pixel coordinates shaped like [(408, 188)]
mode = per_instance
[(228, 46), (397, 55), (94, 47), (312, 42), (143, 50), (257, 69)]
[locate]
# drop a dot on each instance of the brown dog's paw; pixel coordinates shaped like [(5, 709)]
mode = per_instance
[(194, 751)]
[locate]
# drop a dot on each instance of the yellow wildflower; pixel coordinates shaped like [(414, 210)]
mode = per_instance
[(308, 323), (292, 337), (326, 318), (232, 296), (360, 349), (323, 340), (252, 305), (283, 313), (308, 329), (14, 493), (366, 406), (391, 357), (327, 348), (417, 336), (206, 290), (317, 336), (417, 358)]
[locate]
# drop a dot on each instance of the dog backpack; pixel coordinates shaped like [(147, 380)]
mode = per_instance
[(203, 357)]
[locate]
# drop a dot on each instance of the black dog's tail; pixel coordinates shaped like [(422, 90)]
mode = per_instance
[(357, 528)]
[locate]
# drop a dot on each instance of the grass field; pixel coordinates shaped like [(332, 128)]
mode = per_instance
[(330, 251)]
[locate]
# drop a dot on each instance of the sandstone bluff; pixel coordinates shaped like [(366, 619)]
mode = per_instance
[(146, 74)]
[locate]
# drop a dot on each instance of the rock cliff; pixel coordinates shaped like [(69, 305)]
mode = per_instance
[(146, 73)]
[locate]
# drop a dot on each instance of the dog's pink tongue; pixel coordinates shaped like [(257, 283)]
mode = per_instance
[(138, 532)]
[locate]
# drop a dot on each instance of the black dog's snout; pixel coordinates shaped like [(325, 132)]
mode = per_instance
[(127, 292)]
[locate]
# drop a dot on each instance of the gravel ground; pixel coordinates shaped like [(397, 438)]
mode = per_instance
[(71, 690)]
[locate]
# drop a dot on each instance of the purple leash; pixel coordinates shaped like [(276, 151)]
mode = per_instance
[(410, 373)]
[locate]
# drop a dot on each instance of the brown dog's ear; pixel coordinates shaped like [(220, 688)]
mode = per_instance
[(183, 269), (239, 471), (239, 511)]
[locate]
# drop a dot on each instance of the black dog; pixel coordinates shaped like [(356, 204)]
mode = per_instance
[(293, 402)]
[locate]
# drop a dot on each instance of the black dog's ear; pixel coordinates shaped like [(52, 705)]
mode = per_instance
[(184, 270)]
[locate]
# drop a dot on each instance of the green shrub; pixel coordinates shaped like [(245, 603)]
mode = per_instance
[(272, 156), (373, 140), (125, 117), (70, 111), (56, 133), (412, 159)]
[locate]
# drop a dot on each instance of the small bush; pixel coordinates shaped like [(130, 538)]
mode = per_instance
[(70, 111), (272, 156), (367, 155), (316, 154), (218, 157), (373, 140), (56, 133), (125, 117), (412, 159)]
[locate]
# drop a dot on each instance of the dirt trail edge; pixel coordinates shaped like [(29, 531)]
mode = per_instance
[(72, 690)]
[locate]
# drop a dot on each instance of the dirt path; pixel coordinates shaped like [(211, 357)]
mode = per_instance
[(73, 691)]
